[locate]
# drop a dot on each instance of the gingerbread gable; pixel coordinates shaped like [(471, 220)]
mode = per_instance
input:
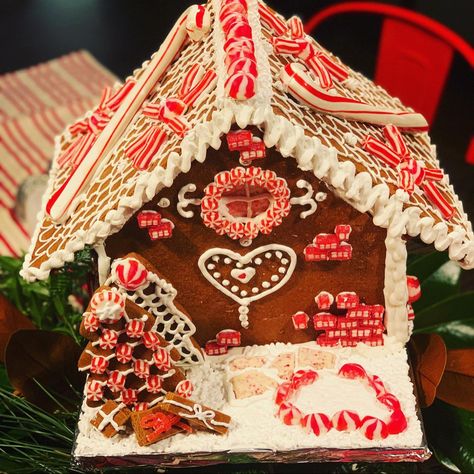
[(148, 137)]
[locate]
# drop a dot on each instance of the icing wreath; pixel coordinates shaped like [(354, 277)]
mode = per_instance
[(345, 420)]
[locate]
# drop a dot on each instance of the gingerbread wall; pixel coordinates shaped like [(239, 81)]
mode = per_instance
[(270, 317)]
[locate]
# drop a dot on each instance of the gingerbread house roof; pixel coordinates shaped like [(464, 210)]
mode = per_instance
[(332, 145)]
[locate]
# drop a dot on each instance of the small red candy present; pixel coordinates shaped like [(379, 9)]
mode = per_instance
[(315, 254), (300, 320), (377, 311), (164, 230), (214, 348), (324, 300), (360, 311), (256, 150), (325, 341), (148, 219), (341, 253), (239, 140), (108, 339), (347, 300), (324, 321), (326, 241), (228, 337), (343, 231)]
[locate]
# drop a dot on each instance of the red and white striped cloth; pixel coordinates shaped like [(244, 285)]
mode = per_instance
[(36, 104)]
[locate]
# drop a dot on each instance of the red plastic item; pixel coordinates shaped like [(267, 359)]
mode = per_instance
[(415, 54)]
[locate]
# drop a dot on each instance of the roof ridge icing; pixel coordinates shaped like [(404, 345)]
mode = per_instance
[(264, 109)]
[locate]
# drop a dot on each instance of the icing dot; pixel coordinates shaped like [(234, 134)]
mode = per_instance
[(266, 284), (284, 261), (234, 288), (243, 293), (238, 265), (255, 289), (258, 261), (215, 258), (278, 254), (274, 278), (282, 270), (225, 282), (211, 266), (268, 255), (321, 196), (164, 202), (227, 260), (216, 275)]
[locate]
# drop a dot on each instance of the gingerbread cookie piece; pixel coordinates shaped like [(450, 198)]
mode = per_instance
[(197, 415), (153, 425), (316, 359), (285, 365), (240, 363), (111, 418), (251, 383)]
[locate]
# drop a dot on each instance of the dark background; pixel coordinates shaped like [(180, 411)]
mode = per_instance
[(123, 33)]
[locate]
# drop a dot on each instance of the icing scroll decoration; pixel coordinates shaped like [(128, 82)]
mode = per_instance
[(306, 200), (184, 202), (62, 203), (221, 266)]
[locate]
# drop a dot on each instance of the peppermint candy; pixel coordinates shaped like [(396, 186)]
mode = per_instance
[(414, 288), (374, 428), (390, 401), (108, 306), (141, 406), (154, 384), (184, 388), (198, 22), (130, 273), (135, 328), (353, 371), (242, 62), (91, 322), (289, 414), (346, 420), (377, 384), (240, 85), (283, 392), (151, 340), (129, 396), (162, 359), (303, 377), (99, 365), (116, 381), (318, 423), (94, 390), (397, 423), (124, 353), (141, 368), (108, 339)]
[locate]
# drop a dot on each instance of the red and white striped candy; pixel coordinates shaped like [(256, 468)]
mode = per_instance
[(236, 230), (373, 428), (154, 384), (238, 176), (224, 180), (246, 64), (140, 406), (281, 208), (284, 392), (229, 19), (397, 423), (437, 198), (99, 365), (381, 151), (108, 339), (353, 371), (107, 305), (240, 85), (300, 320), (129, 396), (208, 80), (124, 353), (318, 423), (433, 174), (416, 170), (289, 414), (162, 359), (250, 230), (235, 45), (116, 381), (410, 312), (296, 27), (198, 22), (135, 328), (414, 288), (345, 420), (324, 300), (151, 340), (377, 384), (303, 377), (238, 29), (94, 390), (91, 322), (209, 203), (130, 273), (184, 388), (232, 7), (271, 20), (192, 77), (299, 47), (242, 54), (395, 140), (142, 150), (390, 401), (405, 181), (141, 368)]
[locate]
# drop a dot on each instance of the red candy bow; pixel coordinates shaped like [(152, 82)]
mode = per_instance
[(411, 173)]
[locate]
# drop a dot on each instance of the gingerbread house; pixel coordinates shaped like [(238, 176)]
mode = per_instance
[(244, 187)]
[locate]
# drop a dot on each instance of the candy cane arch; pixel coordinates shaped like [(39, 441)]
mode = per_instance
[(62, 202), (302, 87)]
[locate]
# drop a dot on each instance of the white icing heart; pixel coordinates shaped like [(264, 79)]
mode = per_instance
[(238, 294), (243, 275)]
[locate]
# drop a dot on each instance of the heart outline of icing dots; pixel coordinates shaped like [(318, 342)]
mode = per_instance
[(245, 266)]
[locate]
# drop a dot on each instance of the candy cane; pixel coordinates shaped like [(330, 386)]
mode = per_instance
[(269, 18), (142, 150), (62, 202), (381, 151), (296, 27), (303, 88)]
